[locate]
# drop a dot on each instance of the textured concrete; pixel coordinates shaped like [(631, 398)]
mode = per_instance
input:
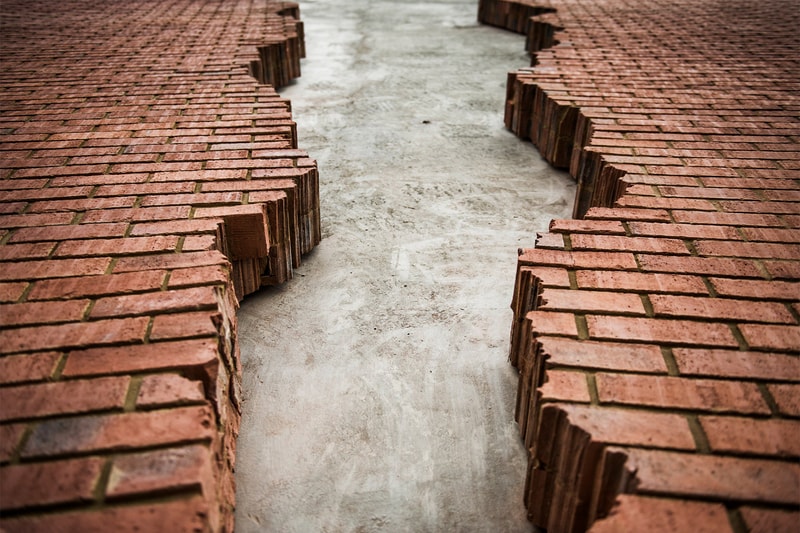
[(377, 391)]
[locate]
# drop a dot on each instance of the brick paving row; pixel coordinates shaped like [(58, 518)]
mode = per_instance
[(148, 183), (656, 335)]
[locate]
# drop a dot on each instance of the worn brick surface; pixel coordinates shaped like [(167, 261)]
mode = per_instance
[(657, 335), (149, 179)]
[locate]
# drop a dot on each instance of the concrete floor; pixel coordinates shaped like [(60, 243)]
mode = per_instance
[(378, 396)]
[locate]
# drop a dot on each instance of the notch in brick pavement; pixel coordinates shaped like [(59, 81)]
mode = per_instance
[(657, 338), (149, 183)]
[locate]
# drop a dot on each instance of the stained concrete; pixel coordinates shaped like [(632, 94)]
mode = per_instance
[(378, 396)]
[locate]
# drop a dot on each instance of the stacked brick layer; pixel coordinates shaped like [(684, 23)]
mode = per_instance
[(147, 183), (656, 335)]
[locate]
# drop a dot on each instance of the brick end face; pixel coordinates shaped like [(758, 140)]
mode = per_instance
[(139, 206), (656, 336)]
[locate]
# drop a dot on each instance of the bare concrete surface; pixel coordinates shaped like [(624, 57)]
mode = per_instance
[(378, 396)]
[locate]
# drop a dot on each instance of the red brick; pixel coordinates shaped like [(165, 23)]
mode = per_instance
[(737, 364), (719, 308), (715, 266), (658, 515), (631, 427), (752, 436), (112, 247), (565, 386), (630, 244), (183, 325), (783, 269), (681, 393), (771, 234), (30, 220), (773, 290), (80, 287), (120, 432), (30, 313), (64, 268), (595, 227), (768, 337), (203, 275), (591, 301), (551, 323), (179, 516), (606, 213), (172, 469), (787, 397), (10, 435), (748, 249), (11, 292), (687, 231), (603, 355), (601, 260), (706, 476), (727, 219), (658, 330), (175, 227), (68, 481), (33, 367), (150, 302), (770, 520), (63, 233), (553, 241), (639, 281), (169, 389), (64, 397), (183, 355), (169, 261), (34, 250), (74, 335)]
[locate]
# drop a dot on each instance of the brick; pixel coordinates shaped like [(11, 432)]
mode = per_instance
[(681, 393), (30, 485), (30, 313), (93, 286), (770, 520), (151, 302), (771, 234), (11, 292), (715, 266), (640, 282), (113, 247), (34, 250), (661, 515), (64, 268), (169, 389), (65, 397), (565, 386), (631, 427), (180, 516), (10, 435), (551, 323), (705, 476), (737, 364), (181, 355), (603, 355), (33, 367), (727, 219), (601, 260), (172, 469), (783, 269), (719, 308), (658, 330), (595, 227), (787, 398), (631, 244), (769, 337), (64, 233), (120, 432), (748, 249), (183, 325), (752, 436), (591, 301), (650, 215), (204, 275), (685, 231), (169, 261), (773, 290), (102, 332)]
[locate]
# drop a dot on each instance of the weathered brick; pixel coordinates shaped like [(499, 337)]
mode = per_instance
[(68, 481), (102, 332), (787, 397), (662, 515), (759, 520), (32, 367), (736, 364), (120, 432), (551, 323), (11, 292), (773, 290), (591, 301), (169, 389), (113, 247), (629, 357), (169, 301), (658, 330), (10, 435), (718, 308), (64, 397), (640, 282), (30, 313), (769, 337), (565, 386), (64, 268), (716, 266), (93, 286)]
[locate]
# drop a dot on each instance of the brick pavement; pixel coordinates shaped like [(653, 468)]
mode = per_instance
[(656, 335), (148, 184)]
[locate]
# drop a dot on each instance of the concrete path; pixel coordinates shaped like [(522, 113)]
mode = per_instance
[(378, 396)]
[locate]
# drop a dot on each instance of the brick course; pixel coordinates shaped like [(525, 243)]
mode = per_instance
[(657, 336), (148, 182)]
